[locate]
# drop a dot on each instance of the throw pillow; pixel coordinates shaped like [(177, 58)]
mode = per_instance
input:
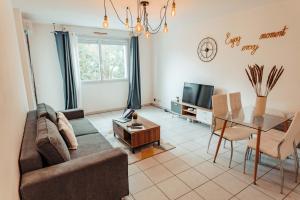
[(67, 131), (62, 116), (50, 143)]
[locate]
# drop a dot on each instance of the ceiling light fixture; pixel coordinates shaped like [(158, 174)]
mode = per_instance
[(142, 20)]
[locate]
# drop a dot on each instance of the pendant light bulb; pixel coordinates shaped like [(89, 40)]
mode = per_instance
[(147, 34), (166, 29), (139, 27), (173, 12), (127, 23), (105, 23)]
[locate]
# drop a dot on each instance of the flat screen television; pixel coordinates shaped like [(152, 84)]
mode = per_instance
[(198, 94)]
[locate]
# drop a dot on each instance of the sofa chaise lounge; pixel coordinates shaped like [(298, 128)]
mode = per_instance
[(96, 170)]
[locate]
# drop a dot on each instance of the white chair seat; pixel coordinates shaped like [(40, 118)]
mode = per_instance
[(274, 134), (236, 133), (267, 145), (279, 145)]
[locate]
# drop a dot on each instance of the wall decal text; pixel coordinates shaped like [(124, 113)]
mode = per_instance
[(274, 34), (251, 47), (232, 41)]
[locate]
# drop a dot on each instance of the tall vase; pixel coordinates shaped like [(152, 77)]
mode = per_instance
[(260, 107)]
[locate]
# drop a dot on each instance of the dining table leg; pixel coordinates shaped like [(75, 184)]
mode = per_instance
[(257, 154), (220, 140), (286, 126)]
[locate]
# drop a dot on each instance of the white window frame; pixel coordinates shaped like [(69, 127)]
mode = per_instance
[(109, 41)]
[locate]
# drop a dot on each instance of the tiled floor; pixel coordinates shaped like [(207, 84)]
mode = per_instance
[(188, 173)]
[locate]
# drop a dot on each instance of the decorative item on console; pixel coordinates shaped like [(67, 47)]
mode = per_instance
[(255, 76)]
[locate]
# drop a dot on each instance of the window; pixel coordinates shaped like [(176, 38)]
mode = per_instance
[(102, 59)]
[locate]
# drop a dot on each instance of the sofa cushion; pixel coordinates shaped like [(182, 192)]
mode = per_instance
[(89, 144), (83, 126), (67, 132), (30, 158), (50, 143), (44, 110)]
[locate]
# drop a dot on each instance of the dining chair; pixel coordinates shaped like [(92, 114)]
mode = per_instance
[(235, 101), (281, 148), (236, 104), (232, 133)]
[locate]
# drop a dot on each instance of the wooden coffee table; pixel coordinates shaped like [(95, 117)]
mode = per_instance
[(138, 137)]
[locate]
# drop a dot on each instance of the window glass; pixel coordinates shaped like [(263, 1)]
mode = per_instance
[(113, 61), (89, 61), (103, 60)]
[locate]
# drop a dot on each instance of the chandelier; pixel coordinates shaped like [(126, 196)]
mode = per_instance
[(142, 20)]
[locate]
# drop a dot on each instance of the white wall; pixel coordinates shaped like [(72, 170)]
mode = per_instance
[(46, 67), (25, 59), (13, 104), (176, 59), (96, 96)]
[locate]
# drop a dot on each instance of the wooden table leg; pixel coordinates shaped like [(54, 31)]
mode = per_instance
[(220, 140), (286, 126), (257, 155)]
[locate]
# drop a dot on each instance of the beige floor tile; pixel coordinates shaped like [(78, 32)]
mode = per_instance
[(297, 189), (176, 166), (191, 196), (230, 183), (241, 176), (164, 157), (209, 169), (237, 156), (192, 159), (147, 163), (179, 139), (202, 152), (251, 193), (293, 196), (152, 193), (262, 170), (211, 191), (133, 169), (224, 163), (139, 182), (192, 178), (271, 188), (173, 188), (178, 151), (158, 173), (289, 178), (190, 146)]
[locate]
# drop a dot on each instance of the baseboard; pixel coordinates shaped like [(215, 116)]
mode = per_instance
[(160, 107), (104, 111), (112, 110)]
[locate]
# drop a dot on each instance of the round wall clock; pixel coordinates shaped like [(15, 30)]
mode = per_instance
[(207, 49)]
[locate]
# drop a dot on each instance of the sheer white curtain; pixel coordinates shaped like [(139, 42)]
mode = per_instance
[(75, 61)]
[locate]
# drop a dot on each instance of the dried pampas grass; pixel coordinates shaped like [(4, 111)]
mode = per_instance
[(255, 75)]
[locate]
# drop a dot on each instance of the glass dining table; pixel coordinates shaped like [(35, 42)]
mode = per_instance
[(246, 117)]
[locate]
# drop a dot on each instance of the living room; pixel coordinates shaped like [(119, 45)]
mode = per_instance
[(142, 100)]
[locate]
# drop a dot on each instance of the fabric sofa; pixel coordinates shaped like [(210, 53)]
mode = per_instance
[(96, 171)]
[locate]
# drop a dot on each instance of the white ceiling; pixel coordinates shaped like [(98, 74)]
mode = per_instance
[(90, 12)]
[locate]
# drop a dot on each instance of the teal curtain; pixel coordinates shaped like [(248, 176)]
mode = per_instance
[(134, 96), (66, 66)]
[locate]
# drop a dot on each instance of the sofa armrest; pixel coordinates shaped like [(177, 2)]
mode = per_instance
[(73, 114), (98, 176)]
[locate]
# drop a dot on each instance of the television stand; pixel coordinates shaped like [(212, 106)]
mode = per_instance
[(192, 112)]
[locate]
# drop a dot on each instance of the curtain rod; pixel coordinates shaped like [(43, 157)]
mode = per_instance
[(54, 28)]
